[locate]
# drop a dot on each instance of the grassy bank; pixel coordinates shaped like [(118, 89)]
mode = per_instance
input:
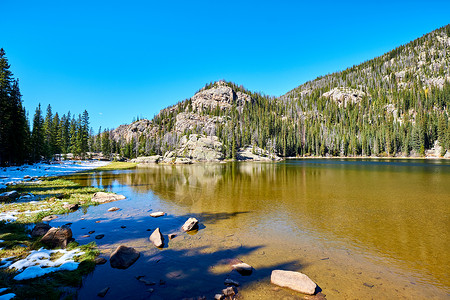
[(45, 198), (116, 165)]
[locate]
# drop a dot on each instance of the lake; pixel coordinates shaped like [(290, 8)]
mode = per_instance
[(360, 228)]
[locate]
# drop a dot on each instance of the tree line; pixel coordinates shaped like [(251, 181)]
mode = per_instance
[(49, 135)]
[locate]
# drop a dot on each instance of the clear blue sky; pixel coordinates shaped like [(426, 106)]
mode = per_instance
[(120, 59)]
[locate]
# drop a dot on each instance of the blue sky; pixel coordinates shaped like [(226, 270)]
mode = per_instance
[(121, 59)]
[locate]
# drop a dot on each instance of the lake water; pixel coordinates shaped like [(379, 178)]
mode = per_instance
[(360, 229)]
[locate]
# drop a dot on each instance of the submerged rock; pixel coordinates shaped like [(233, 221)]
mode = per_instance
[(190, 224), (113, 208), (57, 237), (102, 197), (100, 236), (100, 261), (123, 257), (40, 229), (103, 292), (243, 269), (229, 281), (294, 280), (156, 238)]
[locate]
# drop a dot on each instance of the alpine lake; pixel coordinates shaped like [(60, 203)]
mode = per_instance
[(359, 228)]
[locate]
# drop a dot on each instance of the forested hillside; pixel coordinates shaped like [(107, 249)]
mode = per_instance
[(393, 105)]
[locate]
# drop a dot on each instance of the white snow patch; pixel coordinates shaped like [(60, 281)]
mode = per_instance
[(38, 263), (8, 217), (13, 175), (3, 290), (7, 296)]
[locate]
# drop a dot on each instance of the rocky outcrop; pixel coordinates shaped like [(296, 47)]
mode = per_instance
[(102, 197), (154, 159), (294, 280), (200, 148), (220, 96), (123, 257), (57, 237), (255, 154), (192, 121), (135, 129), (345, 96)]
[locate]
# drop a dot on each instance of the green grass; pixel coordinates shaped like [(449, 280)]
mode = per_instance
[(116, 165), (51, 195)]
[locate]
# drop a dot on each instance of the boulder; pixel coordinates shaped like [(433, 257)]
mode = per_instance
[(113, 209), (243, 268), (157, 214), (40, 229), (229, 291), (71, 207), (294, 280), (199, 147), (183, 161), (190, 224), (102, 197), (49, 218), (9, 196), (57, 237), (123, 257), (26, 177), (156, 238), (100, 261)]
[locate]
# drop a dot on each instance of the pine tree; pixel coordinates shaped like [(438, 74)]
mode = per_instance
[(37, 135)]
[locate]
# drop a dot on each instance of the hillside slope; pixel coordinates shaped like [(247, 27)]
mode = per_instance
[(393, 105)]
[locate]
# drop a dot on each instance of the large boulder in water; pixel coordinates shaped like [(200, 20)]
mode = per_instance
[(123, 257), (102, 197), (57, 237), (294, 280)]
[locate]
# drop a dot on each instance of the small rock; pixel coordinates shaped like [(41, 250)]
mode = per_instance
[(91, 232), (103, 292), (113, 208), (157, 214), (368, 285), (148, 229), (147, 282), (172, 236), (97, 221), (294, 280), (243, 269), (26, 177), (57, 237), (231, 282), (156, 238), (219, 296), (100, 260), (67, 224), (40, 229), (100, 236), (71, 207), (49, 218), (102, 197), (150, 290), (123, 226), (229, 291), (190, 224), (85, 236), (123, 257)]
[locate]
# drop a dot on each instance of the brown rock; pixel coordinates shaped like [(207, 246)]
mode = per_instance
[(172, 236), (40, 229), (102, 197), (190, 224), (49, 218), (123, 257), (71, 207), (229, 291), (156, 238), (91, 232), (243, 268), (113, 208), (100, 260), (157, 214), (57, 237), (100, 236)]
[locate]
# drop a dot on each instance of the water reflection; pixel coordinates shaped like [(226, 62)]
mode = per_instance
[(395, 210)]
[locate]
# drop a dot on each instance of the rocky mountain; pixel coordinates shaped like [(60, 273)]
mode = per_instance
[(392, 105)]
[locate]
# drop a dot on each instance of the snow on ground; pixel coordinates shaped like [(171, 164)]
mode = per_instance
[(38, 263), (16, 174), (7, 296)]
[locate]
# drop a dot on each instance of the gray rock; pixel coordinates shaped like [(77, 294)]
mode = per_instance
[(103, 292), (229, 291), (190, 224), (243, 268), (71, 207), (172, 236), (49, 218), (229, 281), (40, 229), (102, 197), (100, 261), (219, 296), (113, 208), (123, 257), (294, 280), (57, 237), (156, 238), (147, 159)]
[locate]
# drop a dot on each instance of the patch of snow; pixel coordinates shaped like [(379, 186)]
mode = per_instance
[(8, 217), (7, 296), (13, 175), (38, 263), (3, 290)]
